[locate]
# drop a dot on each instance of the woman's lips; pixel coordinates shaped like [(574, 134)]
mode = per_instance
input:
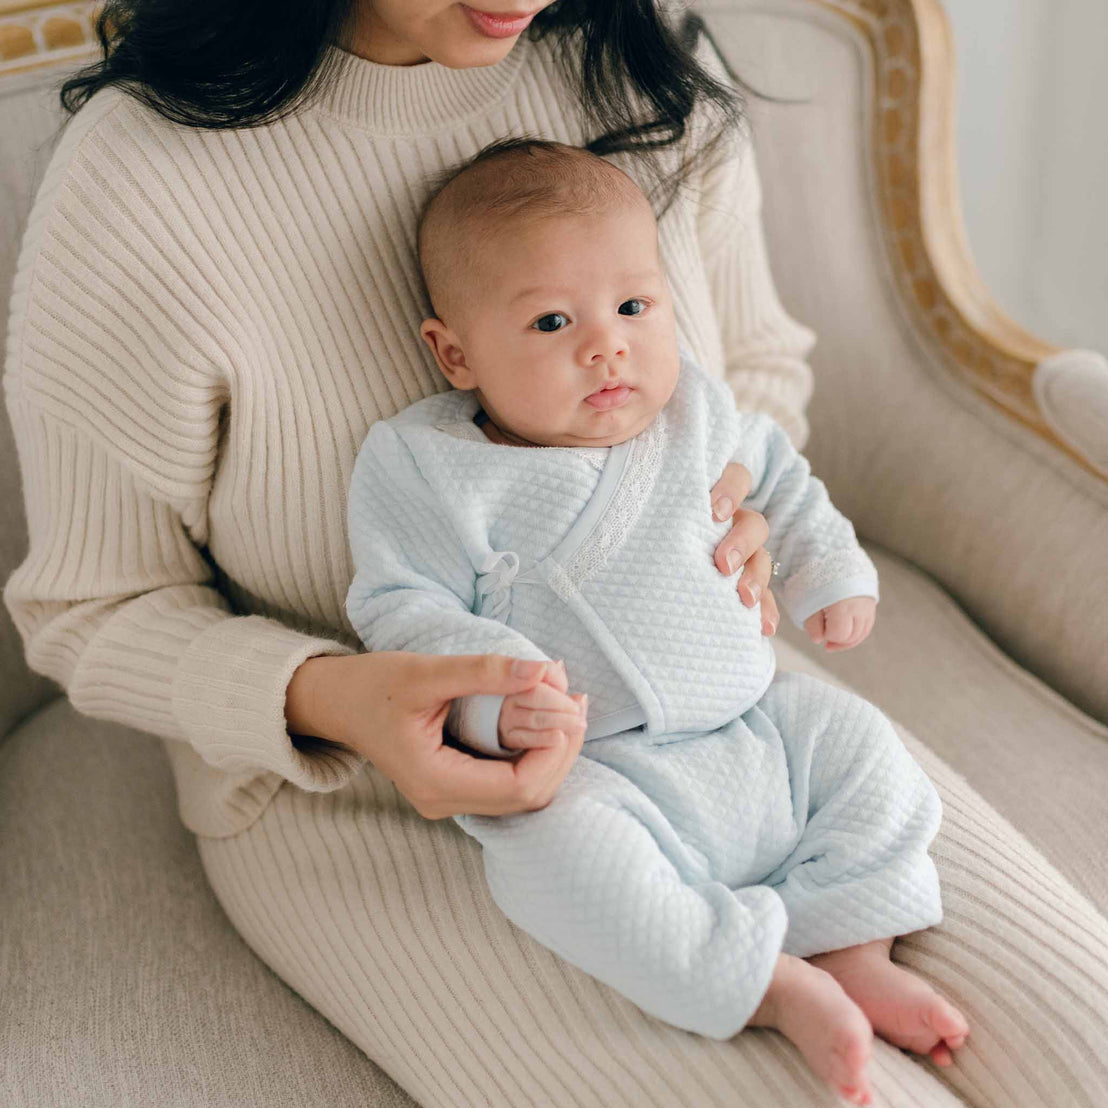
[(606, 399), (495, 25)]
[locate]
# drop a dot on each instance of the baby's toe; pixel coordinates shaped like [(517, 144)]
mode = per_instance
[(941, 1056), (856, 1095), (945, 1020)]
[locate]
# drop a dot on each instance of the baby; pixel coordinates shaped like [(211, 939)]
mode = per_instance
[(734, 846)]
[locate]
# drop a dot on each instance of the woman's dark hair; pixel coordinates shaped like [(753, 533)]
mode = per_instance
[(244, 63)]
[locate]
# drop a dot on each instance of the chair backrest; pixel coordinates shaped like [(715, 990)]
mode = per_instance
[(29, 119), (925, 425)]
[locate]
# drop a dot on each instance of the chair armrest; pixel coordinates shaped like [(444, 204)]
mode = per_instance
[(1071, 390)]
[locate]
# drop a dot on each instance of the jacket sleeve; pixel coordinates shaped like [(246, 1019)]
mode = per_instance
[(415, 587), (116, 420), (764, 348), (820, 557)]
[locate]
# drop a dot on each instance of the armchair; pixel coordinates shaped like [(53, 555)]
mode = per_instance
[(938, 424)]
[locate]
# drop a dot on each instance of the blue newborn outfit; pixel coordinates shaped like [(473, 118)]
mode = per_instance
[(719, 814)]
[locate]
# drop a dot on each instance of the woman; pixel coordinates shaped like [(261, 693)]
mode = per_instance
[(217, 295)]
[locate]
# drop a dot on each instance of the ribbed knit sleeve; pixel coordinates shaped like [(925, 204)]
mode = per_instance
[(764, 348), (115, 388)]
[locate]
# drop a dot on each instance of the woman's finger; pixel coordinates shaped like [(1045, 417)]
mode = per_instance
[(448, 676), (453, 781), (747, 534), (556, 677), (756, 577), (547, 767), (770, 616), (730, 491)]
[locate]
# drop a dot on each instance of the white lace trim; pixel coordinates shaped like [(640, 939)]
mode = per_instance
[(626, 504), (596, 456), (817, 575)]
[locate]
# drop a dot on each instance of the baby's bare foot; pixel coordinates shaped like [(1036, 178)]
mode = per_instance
[(903, 1008), (810, 1008)]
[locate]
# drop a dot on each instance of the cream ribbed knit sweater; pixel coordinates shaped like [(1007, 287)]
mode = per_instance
[(204, 325)]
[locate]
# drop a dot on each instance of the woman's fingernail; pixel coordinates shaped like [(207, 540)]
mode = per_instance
[(768, 627), (524, 668), (755, 591), (723, 508), (734, 559)]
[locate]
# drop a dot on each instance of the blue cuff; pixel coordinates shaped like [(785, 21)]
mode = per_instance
[(476, 721), (810, 603)]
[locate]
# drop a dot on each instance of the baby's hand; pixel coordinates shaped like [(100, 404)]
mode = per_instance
[(843, 624), (535, 716)]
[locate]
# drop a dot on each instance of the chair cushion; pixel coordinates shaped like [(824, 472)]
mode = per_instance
[(123, 982), (1036, 758)]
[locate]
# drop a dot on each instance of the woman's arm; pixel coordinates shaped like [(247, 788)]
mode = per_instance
[(764, 348), (116, 409), (116, 415)]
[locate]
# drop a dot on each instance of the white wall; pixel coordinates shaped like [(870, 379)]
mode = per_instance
[(1033, 158)]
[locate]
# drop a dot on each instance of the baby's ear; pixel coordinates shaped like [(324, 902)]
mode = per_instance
[(448, 353)]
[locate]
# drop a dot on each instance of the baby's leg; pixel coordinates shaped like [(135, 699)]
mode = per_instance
[(812, 1010), (860, 869), (600, 877), (860, 873)]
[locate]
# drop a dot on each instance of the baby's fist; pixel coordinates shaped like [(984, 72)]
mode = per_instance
[(542, 715), (843, 624)]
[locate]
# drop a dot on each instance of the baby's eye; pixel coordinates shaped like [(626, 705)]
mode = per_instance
[(634, 306), (555, 321)]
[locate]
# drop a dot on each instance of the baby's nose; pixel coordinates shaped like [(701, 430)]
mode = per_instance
[(603, 348)]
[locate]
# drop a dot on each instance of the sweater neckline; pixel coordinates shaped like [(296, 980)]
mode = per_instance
[(415, 99)]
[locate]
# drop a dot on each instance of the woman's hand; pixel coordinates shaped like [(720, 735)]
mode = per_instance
[(743, 544), (390, 707)]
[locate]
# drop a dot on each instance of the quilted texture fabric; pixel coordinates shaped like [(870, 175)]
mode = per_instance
[(676, 870), (717, 816), (462, 545)]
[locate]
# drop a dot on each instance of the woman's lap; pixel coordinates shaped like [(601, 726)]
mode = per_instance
[(383, 922)]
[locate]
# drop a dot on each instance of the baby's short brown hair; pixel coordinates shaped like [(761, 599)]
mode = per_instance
[(505, 180)]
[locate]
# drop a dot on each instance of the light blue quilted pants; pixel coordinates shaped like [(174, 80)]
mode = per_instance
[(676, 868)]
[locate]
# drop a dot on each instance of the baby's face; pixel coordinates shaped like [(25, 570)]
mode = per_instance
[(568, 333)]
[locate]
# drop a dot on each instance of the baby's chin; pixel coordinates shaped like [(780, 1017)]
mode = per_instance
[(583, 427), (599, 430)]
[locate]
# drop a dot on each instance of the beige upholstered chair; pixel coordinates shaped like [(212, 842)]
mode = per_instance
[(972, 457)]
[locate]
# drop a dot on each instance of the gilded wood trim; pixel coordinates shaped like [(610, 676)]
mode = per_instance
[(915, 169), (34, 33)]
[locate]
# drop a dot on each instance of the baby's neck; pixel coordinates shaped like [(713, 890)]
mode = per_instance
[(497, 434)]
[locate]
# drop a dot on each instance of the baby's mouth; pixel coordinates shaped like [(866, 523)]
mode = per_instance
[(612, 395)]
